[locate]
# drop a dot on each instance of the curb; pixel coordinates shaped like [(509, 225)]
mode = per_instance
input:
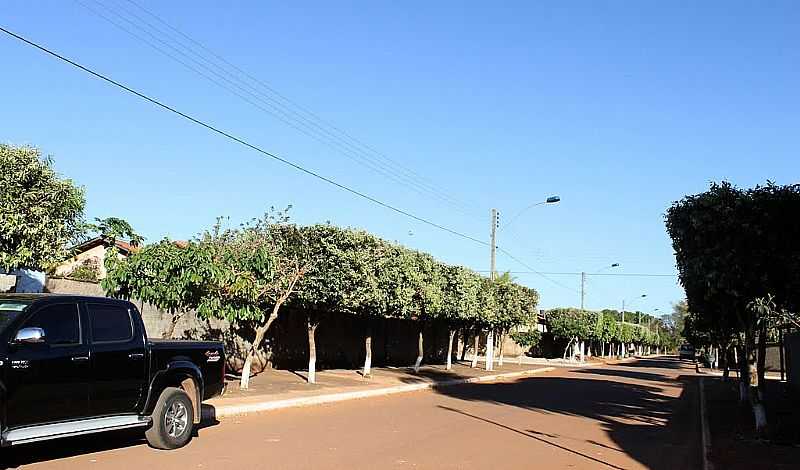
[(705, 438), (223, 411)]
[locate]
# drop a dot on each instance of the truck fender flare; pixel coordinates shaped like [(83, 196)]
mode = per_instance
[(179, 373)]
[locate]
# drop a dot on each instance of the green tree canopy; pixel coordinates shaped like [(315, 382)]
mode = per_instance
[(41, 214)]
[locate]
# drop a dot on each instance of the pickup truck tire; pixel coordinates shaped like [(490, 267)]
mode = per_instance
[(172, 420)]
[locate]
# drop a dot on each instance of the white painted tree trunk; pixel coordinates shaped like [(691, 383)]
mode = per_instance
[(474, 363), (261, 331), (244, 382), (368, 357), (312, 353), (583, 351), (450, 350), (760, 415), (490, 350), (501, 343), (420, 352), (602, 349)]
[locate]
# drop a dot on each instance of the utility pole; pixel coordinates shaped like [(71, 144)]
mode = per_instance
[(583, 288), (623, 310), (490, 334), (494, 243)]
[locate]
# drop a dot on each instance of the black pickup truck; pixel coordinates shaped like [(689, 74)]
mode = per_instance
[(72, 365)]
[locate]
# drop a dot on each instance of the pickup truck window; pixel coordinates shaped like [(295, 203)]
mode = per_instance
[(9, 310), (61, 324), (110, 323)]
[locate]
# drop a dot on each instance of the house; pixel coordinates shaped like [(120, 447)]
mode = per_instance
[(89, 256)]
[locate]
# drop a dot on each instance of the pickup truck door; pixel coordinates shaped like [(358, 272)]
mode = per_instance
[(119, 360), (49, 381)]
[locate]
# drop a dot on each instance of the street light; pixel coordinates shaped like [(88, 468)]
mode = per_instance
[(583, 280), (549, 200), (493, 256), (623, 306)]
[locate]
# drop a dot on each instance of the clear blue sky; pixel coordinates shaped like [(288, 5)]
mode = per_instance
[(619, 107)]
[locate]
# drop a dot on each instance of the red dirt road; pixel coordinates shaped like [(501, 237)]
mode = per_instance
[(627, 416)]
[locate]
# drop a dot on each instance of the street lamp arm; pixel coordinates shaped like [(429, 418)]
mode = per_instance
[(549, 200)]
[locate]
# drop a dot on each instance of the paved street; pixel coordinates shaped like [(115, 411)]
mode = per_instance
[(642, 414)]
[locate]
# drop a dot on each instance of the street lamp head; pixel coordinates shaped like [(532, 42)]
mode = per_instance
[(644, 295), (614, 265), (552, 199)]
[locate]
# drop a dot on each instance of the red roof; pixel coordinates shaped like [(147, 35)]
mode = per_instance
[(123, 246)]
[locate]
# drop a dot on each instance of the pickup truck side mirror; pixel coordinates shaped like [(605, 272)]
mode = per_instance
[(29, 336)]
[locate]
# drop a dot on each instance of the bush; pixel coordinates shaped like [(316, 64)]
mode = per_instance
[(527, 339), (87, 271)]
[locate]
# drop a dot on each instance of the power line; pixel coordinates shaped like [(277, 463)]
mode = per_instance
[(312, 127), (533, 271), (281, 96), (551, 273), (237, 139)]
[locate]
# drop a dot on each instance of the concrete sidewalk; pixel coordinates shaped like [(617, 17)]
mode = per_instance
[(278, 389)]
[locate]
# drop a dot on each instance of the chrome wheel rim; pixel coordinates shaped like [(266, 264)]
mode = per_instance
[(176, 420)]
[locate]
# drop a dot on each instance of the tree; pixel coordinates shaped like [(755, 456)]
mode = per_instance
[(240, 275), (527, 339), (570, 324), (509, 309), (426, 280), (114, 228), (41, 214), (605, 330), (173, 278), (732, 247), (459, 302), (341, 278)]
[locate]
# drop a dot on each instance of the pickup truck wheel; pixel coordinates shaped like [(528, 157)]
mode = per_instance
[(172, 420)]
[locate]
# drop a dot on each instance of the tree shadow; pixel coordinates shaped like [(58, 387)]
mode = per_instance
[(532, 435), (661, 362), (645, 423), (630, 374), (27, 454), (430, 375)]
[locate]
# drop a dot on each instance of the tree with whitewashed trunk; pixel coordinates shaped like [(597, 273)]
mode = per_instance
[(570, 324), (487, 308), (427, 299), (734, 247), (508, 311), (460, 289), (243, 275), (340, 279), (256, 273)]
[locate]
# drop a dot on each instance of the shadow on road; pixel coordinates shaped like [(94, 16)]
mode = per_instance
[(630, 374), (14, 457), (645, 421), (532, 435)]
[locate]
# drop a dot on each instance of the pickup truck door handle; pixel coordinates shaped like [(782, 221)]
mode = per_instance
[(80, 358), (136, 355)]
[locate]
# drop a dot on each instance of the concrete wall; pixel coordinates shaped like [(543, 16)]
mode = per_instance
[(339, 338)]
